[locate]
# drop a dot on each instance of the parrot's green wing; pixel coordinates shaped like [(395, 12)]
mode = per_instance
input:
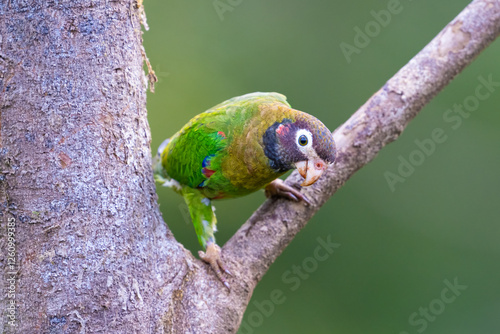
[(189, 154), (203, 153)]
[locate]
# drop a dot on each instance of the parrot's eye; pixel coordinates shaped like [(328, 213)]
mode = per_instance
[(302, 140)]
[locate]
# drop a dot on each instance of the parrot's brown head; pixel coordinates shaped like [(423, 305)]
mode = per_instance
[(305, 144)]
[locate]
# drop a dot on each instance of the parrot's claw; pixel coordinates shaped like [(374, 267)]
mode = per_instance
[(280, 188), (212, 257)]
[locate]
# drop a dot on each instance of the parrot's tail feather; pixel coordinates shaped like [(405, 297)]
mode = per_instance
[(171, 183), (162, 146), (157, 167), (160, 174)]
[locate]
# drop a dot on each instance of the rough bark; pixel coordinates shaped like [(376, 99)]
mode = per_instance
[(92, 253)]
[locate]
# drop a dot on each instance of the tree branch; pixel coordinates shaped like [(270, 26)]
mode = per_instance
[(377, 123)]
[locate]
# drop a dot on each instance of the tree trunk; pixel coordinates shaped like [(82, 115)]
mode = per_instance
[(92, 253), (83, 246)]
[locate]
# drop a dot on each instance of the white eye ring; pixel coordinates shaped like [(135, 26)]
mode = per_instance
[(304, 139)]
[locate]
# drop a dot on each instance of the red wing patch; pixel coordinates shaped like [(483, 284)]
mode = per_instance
[(207, 172)]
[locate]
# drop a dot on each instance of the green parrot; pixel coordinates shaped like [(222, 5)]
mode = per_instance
[(235, 148)]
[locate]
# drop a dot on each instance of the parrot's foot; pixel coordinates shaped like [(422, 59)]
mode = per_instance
[(212, 257), (280, 188)]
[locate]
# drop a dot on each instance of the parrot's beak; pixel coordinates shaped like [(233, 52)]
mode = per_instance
[(311, 170)]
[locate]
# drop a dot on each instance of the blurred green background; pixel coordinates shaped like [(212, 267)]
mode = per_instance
[(397, 247)]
